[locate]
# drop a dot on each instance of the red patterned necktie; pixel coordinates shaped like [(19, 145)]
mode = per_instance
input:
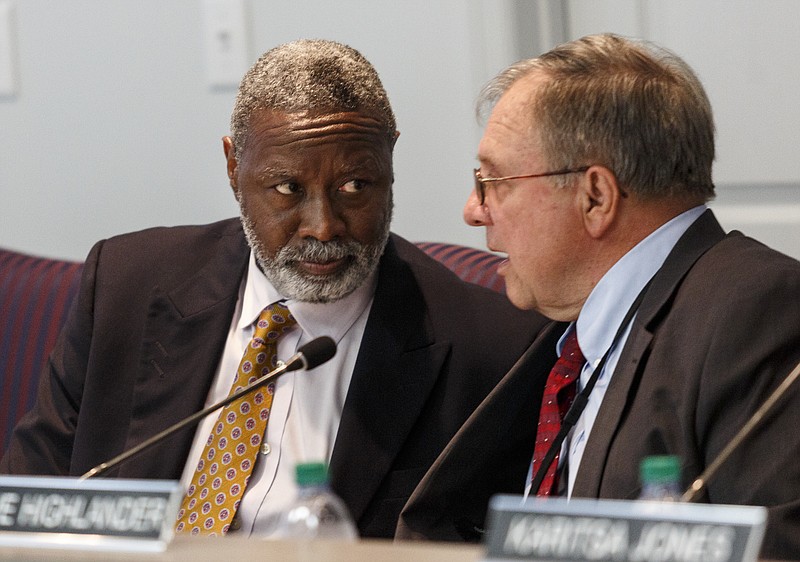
[(559, 392), (230, 452)]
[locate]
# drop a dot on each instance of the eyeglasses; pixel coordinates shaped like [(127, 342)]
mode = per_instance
[(480, 182)]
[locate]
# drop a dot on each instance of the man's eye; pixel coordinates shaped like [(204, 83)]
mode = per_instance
[(287, 188), (353, 186)]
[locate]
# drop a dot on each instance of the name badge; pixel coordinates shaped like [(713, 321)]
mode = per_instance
[(557, 529), (113, 514)]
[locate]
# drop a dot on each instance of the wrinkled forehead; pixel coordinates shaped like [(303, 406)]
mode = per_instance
[(305, 141), (276, 127), (512, 129)]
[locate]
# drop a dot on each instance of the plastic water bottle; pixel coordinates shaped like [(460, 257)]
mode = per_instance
[(317, 513), (661, 478)]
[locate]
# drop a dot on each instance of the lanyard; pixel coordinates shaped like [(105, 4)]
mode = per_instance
[(579, 404)]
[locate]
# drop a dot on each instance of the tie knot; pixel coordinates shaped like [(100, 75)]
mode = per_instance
[(273, 321), (570, 363), (571, 351)]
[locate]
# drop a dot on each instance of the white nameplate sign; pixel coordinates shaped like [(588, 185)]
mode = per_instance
[(556, 529), (101, 514)]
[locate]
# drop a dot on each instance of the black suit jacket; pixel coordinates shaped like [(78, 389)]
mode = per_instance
[(717, 332), (146, 333)]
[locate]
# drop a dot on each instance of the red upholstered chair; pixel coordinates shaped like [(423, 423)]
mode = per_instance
[(471, 264), (35, 294)]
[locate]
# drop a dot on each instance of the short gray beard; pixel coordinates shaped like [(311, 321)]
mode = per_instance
[(293, 283)]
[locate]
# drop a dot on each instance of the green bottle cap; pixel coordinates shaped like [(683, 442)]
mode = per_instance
[(311, 473), (660, 469)]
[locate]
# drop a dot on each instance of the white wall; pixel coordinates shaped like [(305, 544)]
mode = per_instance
[(114, 127)]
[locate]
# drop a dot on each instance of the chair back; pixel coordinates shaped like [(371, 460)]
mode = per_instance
[(35, 294), (470, 264)]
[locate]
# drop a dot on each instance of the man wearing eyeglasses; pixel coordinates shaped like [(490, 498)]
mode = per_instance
[(595, 171)]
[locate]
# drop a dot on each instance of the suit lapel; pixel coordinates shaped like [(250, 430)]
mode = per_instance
[(175, 370), (397, 366), (704, 233), (490, 454)]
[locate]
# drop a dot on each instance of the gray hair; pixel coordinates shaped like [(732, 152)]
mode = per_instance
[(629, 105), (310, 75)]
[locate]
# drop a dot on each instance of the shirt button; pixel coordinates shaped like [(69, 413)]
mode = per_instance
[(236, 523), (265, 448)]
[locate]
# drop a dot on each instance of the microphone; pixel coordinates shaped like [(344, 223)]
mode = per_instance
[(693, 492), (314, 353)]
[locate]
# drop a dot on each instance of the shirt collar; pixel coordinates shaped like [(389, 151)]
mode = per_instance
[(315, 319), (609, 301)]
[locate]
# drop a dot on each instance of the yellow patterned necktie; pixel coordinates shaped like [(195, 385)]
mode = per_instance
[(230, 452)]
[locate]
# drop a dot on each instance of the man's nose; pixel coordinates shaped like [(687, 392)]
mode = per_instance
[(321, 220), (475, 214)]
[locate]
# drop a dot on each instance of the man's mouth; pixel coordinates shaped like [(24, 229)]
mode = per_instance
[(323, 268)]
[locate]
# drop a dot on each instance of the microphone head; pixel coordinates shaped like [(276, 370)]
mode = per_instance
[(316, 352)]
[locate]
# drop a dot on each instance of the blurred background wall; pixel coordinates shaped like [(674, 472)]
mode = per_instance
[(112, 120)]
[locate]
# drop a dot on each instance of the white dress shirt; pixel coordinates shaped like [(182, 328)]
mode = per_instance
[(307, 405), (600, 319)]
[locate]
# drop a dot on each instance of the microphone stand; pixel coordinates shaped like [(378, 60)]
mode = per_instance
[(296, 361)]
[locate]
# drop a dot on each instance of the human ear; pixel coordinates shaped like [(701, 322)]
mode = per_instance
[(230, 157), (600, 197)]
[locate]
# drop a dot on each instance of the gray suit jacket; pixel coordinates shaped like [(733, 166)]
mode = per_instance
[(145, 336), (718, 330)]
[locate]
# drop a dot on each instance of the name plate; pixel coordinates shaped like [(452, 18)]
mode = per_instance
[(556, 529), (113, 514)]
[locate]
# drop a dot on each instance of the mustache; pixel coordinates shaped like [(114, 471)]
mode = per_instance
[(317, 251)]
